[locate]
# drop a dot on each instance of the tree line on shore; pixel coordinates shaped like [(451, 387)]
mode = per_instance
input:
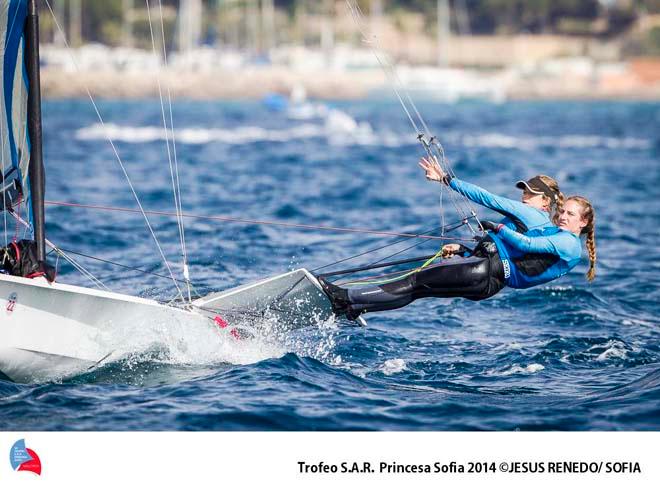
[(105, 21)]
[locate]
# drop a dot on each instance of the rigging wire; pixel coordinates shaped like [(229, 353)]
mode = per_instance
[(411, 247), (169, 131), (76, 265), (116, 153), (432, 146), (443, 228), (259, 222), (121, 265)]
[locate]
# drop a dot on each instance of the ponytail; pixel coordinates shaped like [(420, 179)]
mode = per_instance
[(591, 248), (557, 198), (589, 215), (558, 208)]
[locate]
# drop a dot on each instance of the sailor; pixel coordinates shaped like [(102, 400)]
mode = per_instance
[(523, 250)]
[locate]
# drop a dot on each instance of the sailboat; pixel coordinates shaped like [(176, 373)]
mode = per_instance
[(50, 330)]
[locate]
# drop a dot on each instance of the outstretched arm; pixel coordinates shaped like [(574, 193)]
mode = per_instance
[(505, 206)]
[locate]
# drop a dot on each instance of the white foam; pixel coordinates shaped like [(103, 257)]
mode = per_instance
[(509, 347), (642, 323), (517, 369), (532, 143), (614, 349), (393, 366), (337, 127), (185, 341)]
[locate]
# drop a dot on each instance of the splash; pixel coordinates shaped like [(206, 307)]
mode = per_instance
[(180, 341)]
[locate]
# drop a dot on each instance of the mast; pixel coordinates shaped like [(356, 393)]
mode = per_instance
[(127, 23), (443, 33), (36, 169)]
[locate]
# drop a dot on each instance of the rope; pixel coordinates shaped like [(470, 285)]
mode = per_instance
[(394, 80), (114, 149), (400, 277), (411, 247), (75, 264), (404, 250), (18, 217), (171, 154), (121, 265), (258, 222)]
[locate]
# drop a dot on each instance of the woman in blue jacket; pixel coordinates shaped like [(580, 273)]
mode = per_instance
[(523, 250)]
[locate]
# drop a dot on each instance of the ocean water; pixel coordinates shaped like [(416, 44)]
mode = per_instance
[(566, 356)]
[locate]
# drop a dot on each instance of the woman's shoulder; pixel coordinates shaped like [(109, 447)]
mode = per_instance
[(570, 243)]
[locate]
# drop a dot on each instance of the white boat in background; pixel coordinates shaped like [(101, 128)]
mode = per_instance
[(50, 330), (450, 85)]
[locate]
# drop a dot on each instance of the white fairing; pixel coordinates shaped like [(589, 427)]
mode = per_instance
[(51, 331)]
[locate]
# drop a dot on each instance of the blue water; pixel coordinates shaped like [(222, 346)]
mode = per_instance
[(566, 356)]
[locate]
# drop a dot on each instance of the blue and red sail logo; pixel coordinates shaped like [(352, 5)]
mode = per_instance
[(24, 459)]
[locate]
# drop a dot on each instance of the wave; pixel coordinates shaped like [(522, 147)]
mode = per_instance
[(532, 143), (393, 366), (645, 389), (517, 369), (338, 128)]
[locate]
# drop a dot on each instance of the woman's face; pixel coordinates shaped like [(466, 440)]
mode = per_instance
[(570, 217), (536, 201)]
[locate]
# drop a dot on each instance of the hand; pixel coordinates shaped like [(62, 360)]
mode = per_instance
[(490, 226), (450, 250), (433, 170)]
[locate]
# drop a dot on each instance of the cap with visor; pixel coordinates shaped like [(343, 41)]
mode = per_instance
[(537, 186)]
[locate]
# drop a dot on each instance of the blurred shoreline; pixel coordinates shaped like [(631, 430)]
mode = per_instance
[(569, 79), (207, 74)]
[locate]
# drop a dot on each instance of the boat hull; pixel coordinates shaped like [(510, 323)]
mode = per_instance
[(54, 331)]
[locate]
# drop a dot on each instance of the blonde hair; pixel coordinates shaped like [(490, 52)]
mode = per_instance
[(557, 203), (589, 215)]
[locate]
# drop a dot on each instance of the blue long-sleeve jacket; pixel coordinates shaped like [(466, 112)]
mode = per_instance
[(517, 215), (537, 256), (533, 251)]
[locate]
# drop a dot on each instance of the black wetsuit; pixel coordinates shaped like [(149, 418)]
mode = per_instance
[(475, 277)]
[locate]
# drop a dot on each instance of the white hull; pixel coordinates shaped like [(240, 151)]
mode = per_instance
[(55, 331), (51, 331)]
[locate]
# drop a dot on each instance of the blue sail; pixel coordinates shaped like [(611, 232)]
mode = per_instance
[(14, 143)]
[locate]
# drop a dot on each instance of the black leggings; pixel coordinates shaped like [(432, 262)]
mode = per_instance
[(475, 278)]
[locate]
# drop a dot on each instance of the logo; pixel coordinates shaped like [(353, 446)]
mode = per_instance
[(24, 459), (11, 302), (507, 268)]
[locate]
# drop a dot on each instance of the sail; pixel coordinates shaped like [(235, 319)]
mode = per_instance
[(14, 143)]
